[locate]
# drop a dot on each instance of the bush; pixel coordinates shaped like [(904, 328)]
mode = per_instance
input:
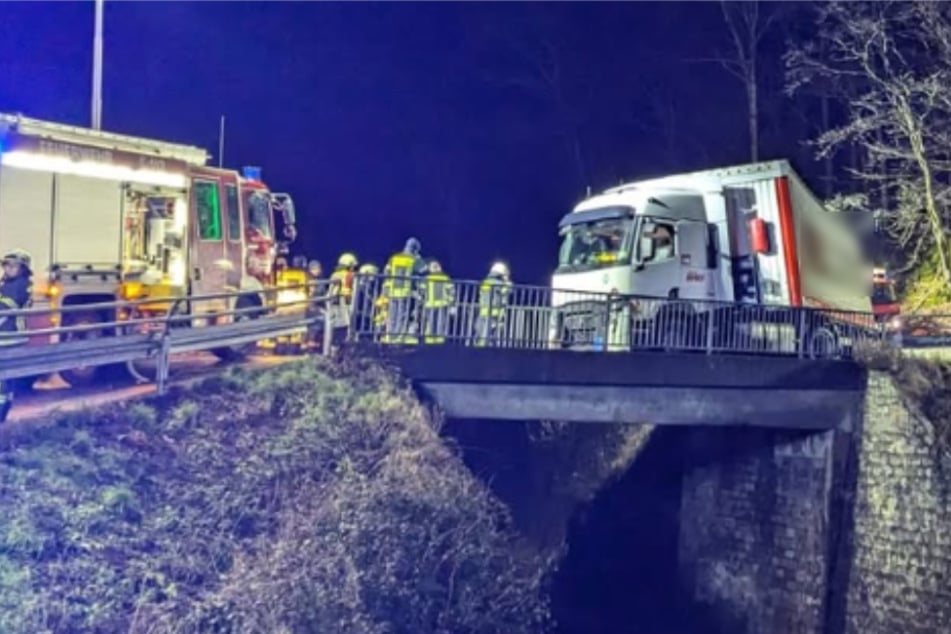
[(307, 498)]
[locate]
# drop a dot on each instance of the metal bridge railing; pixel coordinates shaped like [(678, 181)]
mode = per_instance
[(403, 311), (392, 311), (128, 331)]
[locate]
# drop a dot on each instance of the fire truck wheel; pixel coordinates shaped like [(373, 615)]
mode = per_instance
[(83, 376), (234, 353)]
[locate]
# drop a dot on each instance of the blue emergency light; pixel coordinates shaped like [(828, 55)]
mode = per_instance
[(251, 173)]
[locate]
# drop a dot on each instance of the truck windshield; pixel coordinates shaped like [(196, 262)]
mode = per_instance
[(259, 212), (596, 244)]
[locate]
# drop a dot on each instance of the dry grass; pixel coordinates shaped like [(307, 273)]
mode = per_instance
[(308, 498)]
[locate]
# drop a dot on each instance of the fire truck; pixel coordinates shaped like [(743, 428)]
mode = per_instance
[(111, 217)]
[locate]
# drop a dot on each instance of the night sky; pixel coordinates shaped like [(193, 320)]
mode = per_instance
[(471, 126)]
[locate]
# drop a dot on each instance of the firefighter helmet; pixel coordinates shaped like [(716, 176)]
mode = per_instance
[(413, 246), (434, 266), (369, 269), (347, 261), (19, 256), (499, 269)]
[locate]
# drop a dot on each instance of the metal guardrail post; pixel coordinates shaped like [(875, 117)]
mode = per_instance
[(329, 325), (162, 365), (711, 325)]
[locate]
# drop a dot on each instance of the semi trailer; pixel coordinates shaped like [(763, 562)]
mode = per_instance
[(706, 242)]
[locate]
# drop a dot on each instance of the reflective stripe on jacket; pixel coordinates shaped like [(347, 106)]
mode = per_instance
[(493, 296), (341, 283), (400, 271), (438, 290)]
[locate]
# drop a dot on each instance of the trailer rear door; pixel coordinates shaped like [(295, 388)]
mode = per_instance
[(87, 221), (26, 204)]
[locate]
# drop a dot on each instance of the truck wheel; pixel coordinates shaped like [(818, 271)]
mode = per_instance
[(234, 353), (823, 343), (82, 376)]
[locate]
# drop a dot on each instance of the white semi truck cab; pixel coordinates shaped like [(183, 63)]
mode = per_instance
[(750, 234)]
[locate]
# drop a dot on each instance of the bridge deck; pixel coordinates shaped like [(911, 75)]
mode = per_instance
[(660, 388)]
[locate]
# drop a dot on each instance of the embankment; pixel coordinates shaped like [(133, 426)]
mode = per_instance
[(308, 498)]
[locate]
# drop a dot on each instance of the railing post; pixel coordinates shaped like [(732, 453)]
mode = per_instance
[(329, 314), (711, 316), (162, 363), (801, 343)]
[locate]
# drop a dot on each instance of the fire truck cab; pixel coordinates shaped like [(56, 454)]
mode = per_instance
[(109, 216)]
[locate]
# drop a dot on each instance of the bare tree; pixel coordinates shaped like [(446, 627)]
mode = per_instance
[(537, 57), (896, 59), (747, 26)]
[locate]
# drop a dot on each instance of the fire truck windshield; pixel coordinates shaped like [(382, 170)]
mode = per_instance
[(258, 207), (596, 244)]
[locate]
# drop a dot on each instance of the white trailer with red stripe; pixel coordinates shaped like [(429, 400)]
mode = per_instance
[(749, 234)]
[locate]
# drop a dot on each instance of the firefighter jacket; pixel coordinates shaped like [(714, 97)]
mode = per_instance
[(341, 283), (438, 291), (494, 296), (15, 294), (400, 271)]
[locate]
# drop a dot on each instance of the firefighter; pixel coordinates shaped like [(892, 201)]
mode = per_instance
[(366, 289), (341, 288), (493, 299), (16, 290), (401, 288), (437, 302)]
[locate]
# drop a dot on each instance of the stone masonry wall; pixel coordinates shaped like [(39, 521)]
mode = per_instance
[(900, 578), (754, 521), (826, 533)]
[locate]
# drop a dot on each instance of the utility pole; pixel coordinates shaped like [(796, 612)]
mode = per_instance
[(97, 70), (221, 142)]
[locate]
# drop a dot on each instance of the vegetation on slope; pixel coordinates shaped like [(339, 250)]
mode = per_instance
[(306, 498), (925, 386)]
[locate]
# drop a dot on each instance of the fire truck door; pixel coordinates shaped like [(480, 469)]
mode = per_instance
[(208, 270), (234, 245)]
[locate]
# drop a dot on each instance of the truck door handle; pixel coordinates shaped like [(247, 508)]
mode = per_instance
[(197, 273)]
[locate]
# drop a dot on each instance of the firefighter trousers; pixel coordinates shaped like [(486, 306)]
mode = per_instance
[(489, 331), (436, 323), (400, 326)]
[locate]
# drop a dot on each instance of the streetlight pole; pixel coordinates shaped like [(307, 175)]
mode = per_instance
[(97, 70)]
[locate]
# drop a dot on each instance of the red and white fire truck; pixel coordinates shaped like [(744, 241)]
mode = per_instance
[(108, 216)]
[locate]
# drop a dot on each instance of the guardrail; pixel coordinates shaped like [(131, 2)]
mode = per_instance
[(134, 334), (403, 311), (400, 311)]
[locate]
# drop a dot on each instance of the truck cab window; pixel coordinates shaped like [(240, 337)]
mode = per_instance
[(209, 210), (259, 213), (234, 213), (594, 245), (657, 242)]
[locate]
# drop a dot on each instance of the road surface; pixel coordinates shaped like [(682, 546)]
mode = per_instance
[(55, 395)]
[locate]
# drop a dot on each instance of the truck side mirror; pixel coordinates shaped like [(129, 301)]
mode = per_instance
[(646, 249)]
